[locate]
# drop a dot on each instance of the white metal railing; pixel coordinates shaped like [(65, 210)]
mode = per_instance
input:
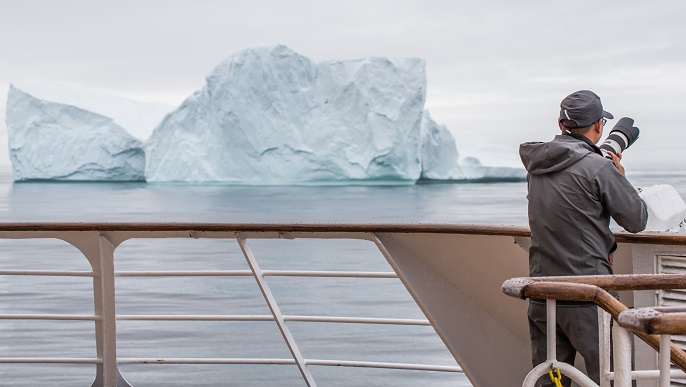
[(99, 246), (621, 345), (642, 322)]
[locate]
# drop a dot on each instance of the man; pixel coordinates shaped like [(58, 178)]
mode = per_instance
[(573, 192)]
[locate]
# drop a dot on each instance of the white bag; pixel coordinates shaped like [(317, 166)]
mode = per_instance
[(666, 208)]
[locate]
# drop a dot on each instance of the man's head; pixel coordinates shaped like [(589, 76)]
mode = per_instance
[(582, 112)]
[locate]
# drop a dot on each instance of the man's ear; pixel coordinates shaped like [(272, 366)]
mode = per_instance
[(562, 128), (599, 127)]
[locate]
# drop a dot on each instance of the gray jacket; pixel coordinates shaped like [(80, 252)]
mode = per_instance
[(573, 192)]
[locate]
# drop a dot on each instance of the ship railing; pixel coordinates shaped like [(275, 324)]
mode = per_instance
[(596, 289), (98, 244)]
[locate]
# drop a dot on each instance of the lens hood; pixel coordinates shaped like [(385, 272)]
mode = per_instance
[(625, 125)]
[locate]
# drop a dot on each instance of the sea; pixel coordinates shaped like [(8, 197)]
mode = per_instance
[(494, 203)]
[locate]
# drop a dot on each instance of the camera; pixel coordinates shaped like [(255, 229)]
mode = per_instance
[(622, 135)]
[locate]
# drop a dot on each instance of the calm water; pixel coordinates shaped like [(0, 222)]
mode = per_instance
[(495, 203)]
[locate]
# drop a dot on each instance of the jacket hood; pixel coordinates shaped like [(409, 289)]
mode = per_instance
[(545, 157)]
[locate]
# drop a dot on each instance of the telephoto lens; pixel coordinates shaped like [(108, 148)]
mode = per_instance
[(622, 135)]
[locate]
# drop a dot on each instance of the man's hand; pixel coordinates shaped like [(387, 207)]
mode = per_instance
[(616, 158)]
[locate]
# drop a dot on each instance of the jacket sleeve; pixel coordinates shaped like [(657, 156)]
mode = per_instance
[(621, 200)]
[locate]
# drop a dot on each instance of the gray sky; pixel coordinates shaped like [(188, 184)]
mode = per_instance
[(495, 68)]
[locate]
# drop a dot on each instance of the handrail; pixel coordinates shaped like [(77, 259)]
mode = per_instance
[(657, 320), (660, 238), (514, 287), (594, 289), (470, 229)]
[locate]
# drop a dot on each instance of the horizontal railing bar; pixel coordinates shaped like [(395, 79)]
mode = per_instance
[(323, 319), (358, 320), (248, 273), (135, 360), (340, 363), (655, 374), (195, 317), (75, 317), (53, 360), (352, 274), (59, 273), (368, 364), (192, 273)]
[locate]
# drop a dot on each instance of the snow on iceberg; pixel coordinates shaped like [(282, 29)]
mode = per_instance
[(55, 141), (271, 116)]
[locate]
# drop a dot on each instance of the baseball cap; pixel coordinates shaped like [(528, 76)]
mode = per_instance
[(583, 107)]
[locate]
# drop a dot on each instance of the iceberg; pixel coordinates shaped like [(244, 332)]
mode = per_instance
[(139, 118), (265, 115), (439, 152), (482, 160), (471, 159), (271, 116), (55, 141)]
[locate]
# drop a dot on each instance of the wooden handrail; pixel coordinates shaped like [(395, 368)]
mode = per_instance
[(658, 238), (594, 289), (467, 229), (515, 286), (657, 320)]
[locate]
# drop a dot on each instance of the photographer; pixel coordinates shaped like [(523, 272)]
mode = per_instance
[(573, 190)]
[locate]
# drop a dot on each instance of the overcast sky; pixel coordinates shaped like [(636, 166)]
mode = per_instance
[(495, 68)]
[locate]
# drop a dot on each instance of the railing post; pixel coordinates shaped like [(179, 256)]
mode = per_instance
[(105, 328), (605, 341), (551, 329), (664, 359), (276, 311), (99, 251), (623, 349)]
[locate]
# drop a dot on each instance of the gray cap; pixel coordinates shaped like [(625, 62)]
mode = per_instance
[(583, 107)]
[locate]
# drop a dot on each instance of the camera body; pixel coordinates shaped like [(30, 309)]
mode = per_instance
[(622, 135)]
